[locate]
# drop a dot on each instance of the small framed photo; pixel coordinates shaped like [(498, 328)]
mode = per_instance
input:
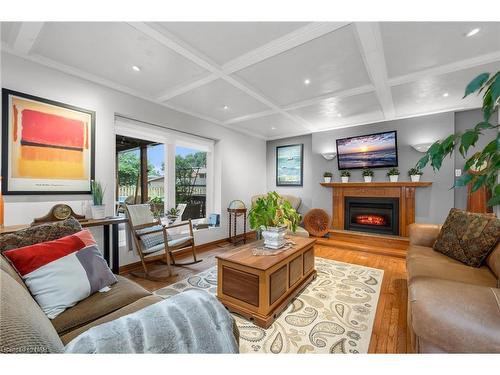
[(289, 165)]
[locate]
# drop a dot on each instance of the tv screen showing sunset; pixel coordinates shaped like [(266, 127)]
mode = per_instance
[(368, 151)]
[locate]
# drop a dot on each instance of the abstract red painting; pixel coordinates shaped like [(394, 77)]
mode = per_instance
[(47, 146)]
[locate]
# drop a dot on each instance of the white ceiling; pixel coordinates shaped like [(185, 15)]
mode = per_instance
[(358, 73)]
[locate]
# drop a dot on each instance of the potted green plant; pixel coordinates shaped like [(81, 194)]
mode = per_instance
[(368, 174), (393, 174), (273, 215), (157, 206), (344, 176), (327, 176), (415, 174), (98, 208), (481, 168), (172, 214)]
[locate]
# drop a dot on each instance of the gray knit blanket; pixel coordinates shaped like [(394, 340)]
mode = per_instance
[(191, 322)]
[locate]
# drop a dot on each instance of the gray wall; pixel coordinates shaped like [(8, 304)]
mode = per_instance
[(433, 203), (466, 120)]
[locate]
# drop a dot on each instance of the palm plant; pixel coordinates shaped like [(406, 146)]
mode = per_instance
[(486, 162)]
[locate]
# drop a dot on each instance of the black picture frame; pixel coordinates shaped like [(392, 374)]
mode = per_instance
[(278, 183), (6, 93), (369, 135)]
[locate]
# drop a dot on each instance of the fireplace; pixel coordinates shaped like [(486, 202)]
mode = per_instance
[(372, 214)]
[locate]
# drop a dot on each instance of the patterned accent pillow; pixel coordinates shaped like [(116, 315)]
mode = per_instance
[(39, 233), (153, 239), (468, 237), (62, 272)]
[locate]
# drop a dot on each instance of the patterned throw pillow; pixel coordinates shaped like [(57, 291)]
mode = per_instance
[(468, 237), (39, 233), (62, 272), (153, 239)]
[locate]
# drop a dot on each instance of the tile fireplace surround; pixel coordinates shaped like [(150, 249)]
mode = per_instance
[(404, 191)]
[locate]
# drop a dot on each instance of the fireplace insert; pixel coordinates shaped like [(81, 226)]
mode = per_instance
[(373, 215)]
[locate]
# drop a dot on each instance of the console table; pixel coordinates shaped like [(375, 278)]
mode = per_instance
[(106, 223)]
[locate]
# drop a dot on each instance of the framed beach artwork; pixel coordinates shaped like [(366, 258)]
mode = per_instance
[(47, 146), (289, 165)]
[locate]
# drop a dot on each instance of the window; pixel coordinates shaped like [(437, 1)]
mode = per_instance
[(191, 181), (171, 168)]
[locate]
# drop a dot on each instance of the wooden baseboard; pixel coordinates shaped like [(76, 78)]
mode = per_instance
[(180, 255), (372, 243)]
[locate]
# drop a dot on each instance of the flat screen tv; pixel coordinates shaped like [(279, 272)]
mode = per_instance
[(378, 150)]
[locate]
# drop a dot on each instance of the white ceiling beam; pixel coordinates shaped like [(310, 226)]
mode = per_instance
[(291, 40), (170, 41), (251, 116), (446, 69), (372, 50), (27, 36), (339, 94), (186, 87)]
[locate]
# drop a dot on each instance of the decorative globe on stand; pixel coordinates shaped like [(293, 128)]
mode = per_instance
[(237, 205), (235, 209)]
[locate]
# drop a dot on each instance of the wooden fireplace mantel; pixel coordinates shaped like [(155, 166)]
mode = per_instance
[(404, 190)]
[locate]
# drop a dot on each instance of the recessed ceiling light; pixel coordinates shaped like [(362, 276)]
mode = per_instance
[(472, 32), (307, 81), (273, 128), (225, 108), (136, 68), (339, 114), (445, 94)]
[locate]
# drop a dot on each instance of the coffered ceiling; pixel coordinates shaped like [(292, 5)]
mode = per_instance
[(273, 79)]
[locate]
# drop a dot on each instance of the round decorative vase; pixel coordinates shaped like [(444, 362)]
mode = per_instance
[(274, 237), (415, 178), (98, 212), (172, 218), (345, 179), (393, 178), (368, 178), (327, 179)]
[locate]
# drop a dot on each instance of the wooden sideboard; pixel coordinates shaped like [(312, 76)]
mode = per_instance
[(404, 190)]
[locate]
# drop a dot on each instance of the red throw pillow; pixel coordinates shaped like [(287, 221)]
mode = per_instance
[(62, 272)]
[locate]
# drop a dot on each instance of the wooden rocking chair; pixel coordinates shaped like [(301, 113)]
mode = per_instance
[(152, 241)]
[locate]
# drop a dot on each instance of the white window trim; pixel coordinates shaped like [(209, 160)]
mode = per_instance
[(171, 139)]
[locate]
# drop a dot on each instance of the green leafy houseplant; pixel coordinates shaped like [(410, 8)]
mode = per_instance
[(345, 174), (273, 211), (367, 172), (157, 206), (393, 172), (328, 174), (486, 162), (415, 172), (97, 193)]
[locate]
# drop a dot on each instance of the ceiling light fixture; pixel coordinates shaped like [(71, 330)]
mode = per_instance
[(445, 94), (339, 114), (472, 32), (136, 68), (273, 128), (226, 107), (307, 81)]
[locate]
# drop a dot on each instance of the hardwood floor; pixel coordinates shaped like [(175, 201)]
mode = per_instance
[(389, 330)]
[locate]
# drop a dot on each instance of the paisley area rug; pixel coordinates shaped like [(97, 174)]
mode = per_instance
[(334, 314)]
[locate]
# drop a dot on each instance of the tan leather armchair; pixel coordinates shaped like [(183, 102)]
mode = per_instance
[(452, 307)]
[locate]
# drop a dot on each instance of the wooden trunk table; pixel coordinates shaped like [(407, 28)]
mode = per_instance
[(259, 287)]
